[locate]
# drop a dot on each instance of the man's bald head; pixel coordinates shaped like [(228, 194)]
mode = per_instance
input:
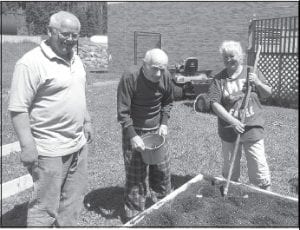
[(156, 58), (64, 20), (155, 64)]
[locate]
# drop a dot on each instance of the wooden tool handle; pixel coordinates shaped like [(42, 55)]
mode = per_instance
[(248, 93), (257, 58)]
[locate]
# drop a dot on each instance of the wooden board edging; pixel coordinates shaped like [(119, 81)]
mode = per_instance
[(199, 177), (261, 190), (15, 186), (9, 148), (157, 205)]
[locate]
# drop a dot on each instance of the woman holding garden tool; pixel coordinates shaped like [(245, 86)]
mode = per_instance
[(227, 97)]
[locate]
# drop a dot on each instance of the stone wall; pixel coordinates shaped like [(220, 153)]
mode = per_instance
[(94, 56), (20, 38)]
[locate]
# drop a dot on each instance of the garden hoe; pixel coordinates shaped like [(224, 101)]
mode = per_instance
[(224, 190)]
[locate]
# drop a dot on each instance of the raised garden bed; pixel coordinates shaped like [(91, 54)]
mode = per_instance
[(200, 203)]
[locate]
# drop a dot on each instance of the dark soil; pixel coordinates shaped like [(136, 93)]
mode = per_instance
[(203, 205)]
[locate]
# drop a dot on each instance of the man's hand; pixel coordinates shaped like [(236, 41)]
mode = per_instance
[(29, 153), (88, 132), (137, 143), (29, 156), (163, 130)]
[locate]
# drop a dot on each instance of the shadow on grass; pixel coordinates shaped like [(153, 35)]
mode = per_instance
[(177, 181), (108, 202), (189, 104), (16, 217)]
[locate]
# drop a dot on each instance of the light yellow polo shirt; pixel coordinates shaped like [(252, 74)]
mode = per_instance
[(53, 93)]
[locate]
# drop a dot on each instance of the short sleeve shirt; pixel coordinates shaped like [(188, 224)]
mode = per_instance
[(230, 93), (52, 92)]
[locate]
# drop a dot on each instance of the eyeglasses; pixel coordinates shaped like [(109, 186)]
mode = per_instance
[(67, 35)]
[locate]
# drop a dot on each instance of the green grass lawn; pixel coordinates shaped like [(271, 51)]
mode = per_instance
[(192, 142)]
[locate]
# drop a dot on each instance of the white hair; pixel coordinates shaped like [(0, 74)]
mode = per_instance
[(232, 47), (57, 18), (156, 56)]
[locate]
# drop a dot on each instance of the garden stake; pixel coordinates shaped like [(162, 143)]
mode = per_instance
[(224, 190)]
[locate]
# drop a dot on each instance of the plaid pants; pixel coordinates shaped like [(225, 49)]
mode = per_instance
[(140, 176)]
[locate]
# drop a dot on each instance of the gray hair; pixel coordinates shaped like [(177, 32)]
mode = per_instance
[(233, 47), (156, 56), (57, 18)]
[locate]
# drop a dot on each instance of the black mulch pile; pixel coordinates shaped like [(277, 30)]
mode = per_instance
[(203, 205)]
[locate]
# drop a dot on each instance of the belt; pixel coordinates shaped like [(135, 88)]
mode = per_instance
[(146, 129)]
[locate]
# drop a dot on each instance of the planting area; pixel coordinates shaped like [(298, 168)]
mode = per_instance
[(203, 205), (193, 144)]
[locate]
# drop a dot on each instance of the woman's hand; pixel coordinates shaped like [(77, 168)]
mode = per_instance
[(253, 79), (238, 126)]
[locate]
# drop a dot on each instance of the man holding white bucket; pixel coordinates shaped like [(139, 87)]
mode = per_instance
[(144, 102)]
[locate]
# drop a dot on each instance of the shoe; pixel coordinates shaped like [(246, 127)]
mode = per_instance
[(149, 202), (266, 187), (125, 219)]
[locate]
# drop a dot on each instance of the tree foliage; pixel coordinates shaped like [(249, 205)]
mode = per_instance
[(92, 15), (11, 7)]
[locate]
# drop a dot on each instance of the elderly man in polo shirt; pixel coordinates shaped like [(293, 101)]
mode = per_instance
[(144, 101), (50, 116)]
